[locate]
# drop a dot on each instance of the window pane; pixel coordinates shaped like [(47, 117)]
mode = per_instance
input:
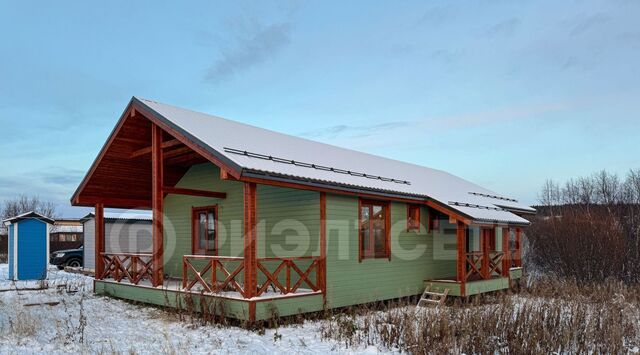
[(211, 228), (202, 228), (378, 229), (364, 229)]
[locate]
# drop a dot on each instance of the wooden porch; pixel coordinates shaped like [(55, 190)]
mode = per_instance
[(484, 270)]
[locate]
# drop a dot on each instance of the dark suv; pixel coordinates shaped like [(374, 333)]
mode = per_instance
[(69, 257)]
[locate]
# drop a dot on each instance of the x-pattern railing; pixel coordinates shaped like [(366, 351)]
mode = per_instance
[(207, 275), (474, 262), (134, 267), (287, 265)]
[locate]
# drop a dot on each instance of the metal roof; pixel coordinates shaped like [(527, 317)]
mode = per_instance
[(260, 151), (125, 216)]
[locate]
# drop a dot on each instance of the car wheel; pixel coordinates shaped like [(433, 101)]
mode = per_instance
[(74, 263), (60, 267)]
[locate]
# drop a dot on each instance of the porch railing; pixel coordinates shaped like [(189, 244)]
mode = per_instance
[(206, 273), (478, 267), (131, 266), (215, 274)]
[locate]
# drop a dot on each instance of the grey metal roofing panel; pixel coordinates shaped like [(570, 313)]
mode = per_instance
[(307, 159)]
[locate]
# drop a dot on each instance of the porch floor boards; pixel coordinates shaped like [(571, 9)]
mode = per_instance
[(175, 284)]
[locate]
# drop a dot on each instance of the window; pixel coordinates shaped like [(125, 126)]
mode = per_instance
[(413, 217), (204, 232), (374, 229)]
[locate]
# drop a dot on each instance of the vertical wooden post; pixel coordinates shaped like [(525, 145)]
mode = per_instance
[(485, 234), (250, 236), (157, 204), (99, 241), (518, 253), (461, 269), (506, 258), (322, 268)]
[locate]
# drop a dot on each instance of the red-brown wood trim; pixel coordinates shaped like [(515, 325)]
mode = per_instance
[(485, 235), (99, 241), (186, 141), (410, 227), (147, 150), (458, 217), (250, 235), (113, 202), (293, 185), (193, 192), (157, 205), (252, 311), (195, 250), (298, 186), (518, 252), (506, 259), (387, 229), (323, 243), (128, 112), (461, 261)]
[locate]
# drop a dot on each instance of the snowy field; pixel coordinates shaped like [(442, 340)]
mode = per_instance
[(77, 321)]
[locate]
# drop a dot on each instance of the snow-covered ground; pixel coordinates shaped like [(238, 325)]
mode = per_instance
[(77, 321)]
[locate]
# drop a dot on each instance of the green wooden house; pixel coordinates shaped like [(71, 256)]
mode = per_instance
[(260, 223)]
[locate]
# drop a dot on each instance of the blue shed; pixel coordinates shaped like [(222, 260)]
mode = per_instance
[(28, 246)]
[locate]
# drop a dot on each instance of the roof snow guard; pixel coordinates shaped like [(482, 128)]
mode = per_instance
[(494, 196), (313, 166)]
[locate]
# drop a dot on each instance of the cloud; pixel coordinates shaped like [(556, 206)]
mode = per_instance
[(503, 28), (354, 131), (252, 47), (589, 23), (436, 15), (55, 184)]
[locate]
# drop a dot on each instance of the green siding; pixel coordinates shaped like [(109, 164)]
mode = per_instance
[(289, 225), (177, 216), (515, 273), (416, 256), (289, 306), (471, 288)]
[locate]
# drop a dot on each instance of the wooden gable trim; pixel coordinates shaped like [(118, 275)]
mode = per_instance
[(128, 112), (224, 163), (134, 108), (193, 192)]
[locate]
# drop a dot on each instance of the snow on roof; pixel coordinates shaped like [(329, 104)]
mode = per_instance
[(57, 228), (129, 216), (27, 215), (260, 151)]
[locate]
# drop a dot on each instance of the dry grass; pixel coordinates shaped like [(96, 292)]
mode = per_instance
[(547, 317)]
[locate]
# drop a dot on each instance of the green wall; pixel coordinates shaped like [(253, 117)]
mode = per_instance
[(416, 256)]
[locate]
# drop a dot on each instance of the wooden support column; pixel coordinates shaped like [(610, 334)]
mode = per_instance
[(518, 253), (506, 258), (323, 244), (157, 205), (485, 234), (250, 242), (99, 241), (461, 266)]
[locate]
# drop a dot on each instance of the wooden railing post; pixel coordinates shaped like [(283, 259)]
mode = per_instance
[(485, 234), (184, 272), (99, 241), (506, 259), (250, 235), (461, 270), (518, 252), (157, 204), (321, 271)]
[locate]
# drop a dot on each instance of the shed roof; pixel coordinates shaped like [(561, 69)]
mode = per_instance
[(257, 152), (28, 215), (125, 216)]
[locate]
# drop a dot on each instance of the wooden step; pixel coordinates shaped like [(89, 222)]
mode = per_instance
[(434, 298)]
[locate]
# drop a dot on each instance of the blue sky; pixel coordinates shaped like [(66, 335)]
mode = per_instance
[(502, 93)]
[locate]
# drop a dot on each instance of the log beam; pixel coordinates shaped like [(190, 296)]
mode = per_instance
[(193, 192), (157, 205), (250, 236), (506, 258), (461, 269), (99, 241)]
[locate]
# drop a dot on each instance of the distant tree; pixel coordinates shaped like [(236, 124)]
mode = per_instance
[(589, 228), (24, 203)]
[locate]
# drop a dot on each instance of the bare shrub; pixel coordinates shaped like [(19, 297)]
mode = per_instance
[(584, 319), (589, 229)]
